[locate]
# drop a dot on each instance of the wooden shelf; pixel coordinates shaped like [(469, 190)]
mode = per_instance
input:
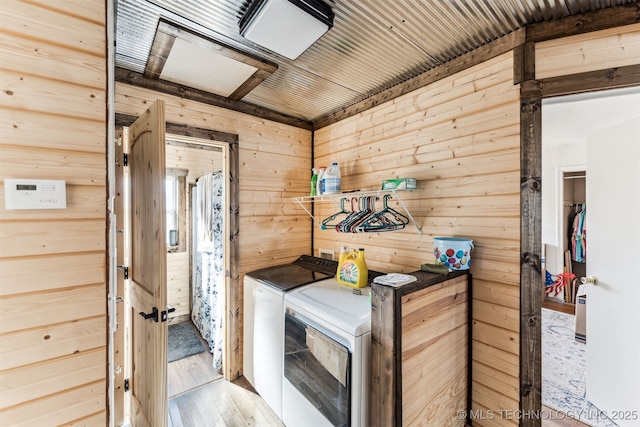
[(336, 197)]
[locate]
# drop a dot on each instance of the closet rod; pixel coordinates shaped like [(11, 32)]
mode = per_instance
[(575, 176)]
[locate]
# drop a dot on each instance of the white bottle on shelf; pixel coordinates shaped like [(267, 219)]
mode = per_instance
[(320, 187), (331, 179)]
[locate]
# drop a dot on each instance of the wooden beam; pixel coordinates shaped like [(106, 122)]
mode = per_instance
[(233, 367), (203, 147), (613, 78), (185, 92), (160, 50), (476, 56), (524, 61), (602, 19), (166, 35), (531, 281), (183, 130)]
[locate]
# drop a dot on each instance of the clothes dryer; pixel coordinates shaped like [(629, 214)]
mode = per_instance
[(264, 291)]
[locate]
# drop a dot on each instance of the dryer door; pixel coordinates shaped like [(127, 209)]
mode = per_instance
[(317, 371)]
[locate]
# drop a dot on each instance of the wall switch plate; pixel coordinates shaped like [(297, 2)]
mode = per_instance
[(34, 194)]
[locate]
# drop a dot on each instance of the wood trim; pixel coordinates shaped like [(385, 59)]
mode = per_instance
[(232, 366), (531, 291), (613, 78), (384, 384), (184, 130), (182, 213), (160, 50), (184, 92), (233, 369), (524, 63), (562, 307), (610, 17), (166, 35), (474, 57), (193, 147)]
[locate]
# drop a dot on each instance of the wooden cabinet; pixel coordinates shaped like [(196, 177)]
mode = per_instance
[(419, 351)]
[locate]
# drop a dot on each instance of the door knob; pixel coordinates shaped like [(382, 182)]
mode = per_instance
[(153, 315), (591, 280)]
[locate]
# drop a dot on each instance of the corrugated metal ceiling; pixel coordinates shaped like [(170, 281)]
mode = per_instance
[(373, 45)]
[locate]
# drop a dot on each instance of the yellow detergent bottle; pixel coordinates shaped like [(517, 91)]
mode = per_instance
[(352, 268)]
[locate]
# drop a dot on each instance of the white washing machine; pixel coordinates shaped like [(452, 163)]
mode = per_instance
[(264, 291), (327, 355)]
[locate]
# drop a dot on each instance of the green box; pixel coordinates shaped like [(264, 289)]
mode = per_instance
[(399, 184)]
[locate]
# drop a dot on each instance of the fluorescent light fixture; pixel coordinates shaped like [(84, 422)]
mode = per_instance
[(287, 27)]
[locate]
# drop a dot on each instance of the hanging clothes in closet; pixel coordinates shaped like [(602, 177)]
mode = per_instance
[(579, 234), (208, 287)]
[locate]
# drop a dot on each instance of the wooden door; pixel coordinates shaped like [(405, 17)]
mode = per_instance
[(613, 251), (147, 269)]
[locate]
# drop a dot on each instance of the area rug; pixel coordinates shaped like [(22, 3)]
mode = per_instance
[(183, 341), (564, 370)]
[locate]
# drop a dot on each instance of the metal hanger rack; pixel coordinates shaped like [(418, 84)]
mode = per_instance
[(305, 202)]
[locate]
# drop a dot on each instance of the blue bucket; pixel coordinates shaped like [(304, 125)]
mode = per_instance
[(453, 252)]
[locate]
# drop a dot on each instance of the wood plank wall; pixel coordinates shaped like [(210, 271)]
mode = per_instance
[(275, 165), (198, 162), (457, 136), (460, 138), (53, 327), (615, 47)]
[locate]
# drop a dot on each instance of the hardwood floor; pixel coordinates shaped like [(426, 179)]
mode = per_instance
[(189, 373), (200, 397), (221, 403)]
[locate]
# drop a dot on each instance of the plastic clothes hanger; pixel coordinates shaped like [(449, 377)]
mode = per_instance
[(388, 219), (349, 224), (327, 222)]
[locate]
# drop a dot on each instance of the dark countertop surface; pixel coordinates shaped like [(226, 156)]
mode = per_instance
[(425, 280)]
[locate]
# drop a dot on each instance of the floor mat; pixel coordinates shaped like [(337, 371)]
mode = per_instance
[(183, 341)]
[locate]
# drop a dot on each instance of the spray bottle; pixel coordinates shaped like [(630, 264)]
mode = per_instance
[(319, 188), (314, 182)]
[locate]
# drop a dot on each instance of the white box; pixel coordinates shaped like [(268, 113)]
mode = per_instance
[(581, 313), (34, 194)]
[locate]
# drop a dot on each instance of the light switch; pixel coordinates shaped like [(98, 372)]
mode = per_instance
[(34, 194)]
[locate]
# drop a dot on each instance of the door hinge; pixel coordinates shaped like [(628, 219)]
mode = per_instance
[(125, 159), (125, 269), (126, 384)]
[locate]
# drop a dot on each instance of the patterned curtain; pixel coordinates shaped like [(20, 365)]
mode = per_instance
[(208, 286)]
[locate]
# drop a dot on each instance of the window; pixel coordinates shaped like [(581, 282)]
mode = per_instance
[(172, 193), (175, 188)]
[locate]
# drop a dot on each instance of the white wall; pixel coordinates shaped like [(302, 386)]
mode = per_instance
[(567, 122), (557, 159)]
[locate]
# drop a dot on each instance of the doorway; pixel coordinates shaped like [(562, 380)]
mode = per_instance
[(197, 259), (568, 124), (121, 347)]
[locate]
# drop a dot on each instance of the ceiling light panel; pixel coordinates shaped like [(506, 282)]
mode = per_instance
[(286, 27), (201, 68)]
